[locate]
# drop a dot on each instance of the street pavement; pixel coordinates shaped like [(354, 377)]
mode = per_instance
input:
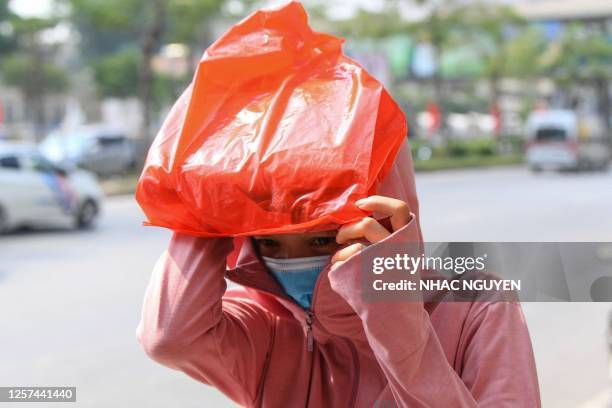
[(71, 300), (514, 205)]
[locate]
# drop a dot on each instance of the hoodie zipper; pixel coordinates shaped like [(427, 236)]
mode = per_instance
[(310, 319), (309, 337), (310, 315)]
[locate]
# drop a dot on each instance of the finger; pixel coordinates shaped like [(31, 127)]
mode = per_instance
[(398, 210), (336, 265), (346, 252), (367, 228)]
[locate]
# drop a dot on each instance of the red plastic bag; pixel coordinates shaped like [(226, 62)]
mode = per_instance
[(278, 132)]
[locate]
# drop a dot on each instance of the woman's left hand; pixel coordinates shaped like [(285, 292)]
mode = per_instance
[(368, 228)]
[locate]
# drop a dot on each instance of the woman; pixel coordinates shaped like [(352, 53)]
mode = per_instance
[(296, 331), (261, 347)]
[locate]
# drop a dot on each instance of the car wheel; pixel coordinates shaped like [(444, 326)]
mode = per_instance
[(87, 215)]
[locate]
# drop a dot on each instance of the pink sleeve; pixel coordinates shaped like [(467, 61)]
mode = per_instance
[(499, 365), (409, 353), (187, 326)]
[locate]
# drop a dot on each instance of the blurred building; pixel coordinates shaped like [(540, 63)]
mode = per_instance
[(172, 60), (593, 11)]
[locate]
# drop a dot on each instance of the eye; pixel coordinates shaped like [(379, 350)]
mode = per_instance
[(323, 241), (266, 242)]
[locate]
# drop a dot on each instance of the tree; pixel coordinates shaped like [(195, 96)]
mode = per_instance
[(189, 22), (30, 67), (116, 75), (437, 29), (487, 26), (143, 23), (8, 41), (583, 56), (524, 54)]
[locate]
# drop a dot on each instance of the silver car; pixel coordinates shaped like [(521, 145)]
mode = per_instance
[(102, 150), (34, 192)]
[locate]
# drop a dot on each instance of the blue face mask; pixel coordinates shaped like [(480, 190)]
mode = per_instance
[(297, 275)]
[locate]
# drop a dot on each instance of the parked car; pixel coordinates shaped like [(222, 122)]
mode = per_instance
[(100, 149), (563, 139), (35, 192)]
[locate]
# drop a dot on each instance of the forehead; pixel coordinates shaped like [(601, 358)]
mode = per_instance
[(299, 236)]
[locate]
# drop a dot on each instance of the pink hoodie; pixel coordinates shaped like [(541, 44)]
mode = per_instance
[(261, 349)]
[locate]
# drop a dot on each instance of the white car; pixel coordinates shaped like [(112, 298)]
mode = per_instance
[(36, 193), (563, 139)]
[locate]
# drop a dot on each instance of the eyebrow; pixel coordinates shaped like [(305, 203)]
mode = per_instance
[(329, 233), (323, 234)]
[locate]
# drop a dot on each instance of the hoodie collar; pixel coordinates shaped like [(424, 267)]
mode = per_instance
[(333, 316)]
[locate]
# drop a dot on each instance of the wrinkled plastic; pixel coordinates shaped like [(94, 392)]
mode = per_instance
[(278, 132)]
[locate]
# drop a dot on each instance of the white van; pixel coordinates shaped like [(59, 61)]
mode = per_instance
[(563, 139)]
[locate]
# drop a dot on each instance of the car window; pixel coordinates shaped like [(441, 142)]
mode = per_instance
[(550, 134), (111, 140), (38, 163), (9, 162)]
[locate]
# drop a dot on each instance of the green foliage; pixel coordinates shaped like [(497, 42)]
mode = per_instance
[(446, 163), (110, 15), (417, 143), (166, 89), (524, 54), (441, 27), (28, 67), (476, 147), (107, 26), (7, 36), (472, 147), (482, 29), (580, 55), (56, 77), (102, 23), (464, 102), (480, 152), (187, 18), (121, 37), (516, 142), (32, 25), (15, 70), (18, 70), (4, 10), (367, 24), (503, 41), (116, 75)]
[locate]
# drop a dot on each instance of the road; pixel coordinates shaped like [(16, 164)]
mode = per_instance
[(516, 206), (71, 301)]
